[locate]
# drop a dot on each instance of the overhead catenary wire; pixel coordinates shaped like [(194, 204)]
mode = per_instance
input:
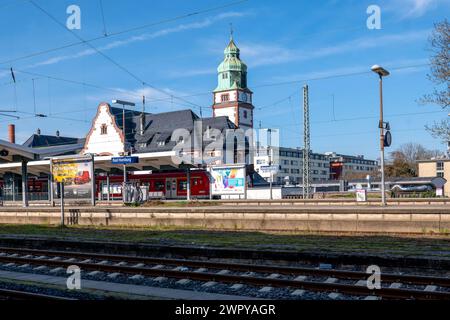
[(170, 98), (114, 62), (113, 34)]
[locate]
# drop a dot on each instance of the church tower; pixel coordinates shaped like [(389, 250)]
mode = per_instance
[(232, 98)]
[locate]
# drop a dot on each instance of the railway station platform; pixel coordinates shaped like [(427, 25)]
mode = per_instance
[(405, 219)]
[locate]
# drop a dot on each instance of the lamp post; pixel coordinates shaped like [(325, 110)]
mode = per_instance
[(381, 73), (131, 104)]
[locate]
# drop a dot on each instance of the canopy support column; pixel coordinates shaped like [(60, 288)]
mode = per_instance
[(24, 183)]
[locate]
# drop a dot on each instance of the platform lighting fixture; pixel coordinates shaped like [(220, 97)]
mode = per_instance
[(381, 72)]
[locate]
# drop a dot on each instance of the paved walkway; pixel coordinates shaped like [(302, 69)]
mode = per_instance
[(144, 291)]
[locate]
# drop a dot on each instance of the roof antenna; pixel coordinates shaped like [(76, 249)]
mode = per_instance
[(143, 104), (142, 118), (34, 97)]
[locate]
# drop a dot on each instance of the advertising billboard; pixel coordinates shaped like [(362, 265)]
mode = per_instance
[(228, 180), (77, 175)]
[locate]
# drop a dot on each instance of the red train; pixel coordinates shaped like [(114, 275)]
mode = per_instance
[(166, 185)]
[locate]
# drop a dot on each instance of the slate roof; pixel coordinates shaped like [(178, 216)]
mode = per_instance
[(40, 141), (160, 126)]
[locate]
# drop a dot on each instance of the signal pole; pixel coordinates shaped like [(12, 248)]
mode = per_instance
[(306, 144)]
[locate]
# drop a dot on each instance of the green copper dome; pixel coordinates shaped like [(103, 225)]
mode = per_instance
[(232, 71)]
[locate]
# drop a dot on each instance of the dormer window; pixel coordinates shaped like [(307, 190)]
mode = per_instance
[(104, 129), (225, 75), (161, 143)]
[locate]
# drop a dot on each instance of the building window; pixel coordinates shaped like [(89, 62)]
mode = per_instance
[(245, 114), (104, 129), (440, 174), (225, 97), (440, 166), (224, 75)]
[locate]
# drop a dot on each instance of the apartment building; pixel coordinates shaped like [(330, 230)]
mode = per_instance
[(290, 162)]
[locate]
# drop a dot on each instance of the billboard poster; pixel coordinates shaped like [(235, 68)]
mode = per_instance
[(228, 180), (77, 175)]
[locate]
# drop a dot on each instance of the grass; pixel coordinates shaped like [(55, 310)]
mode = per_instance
[(424, 246), (180, 204)]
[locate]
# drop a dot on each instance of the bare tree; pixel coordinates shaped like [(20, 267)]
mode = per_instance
[(440, 76), (403, 161)]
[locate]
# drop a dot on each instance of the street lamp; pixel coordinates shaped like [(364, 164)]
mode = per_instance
[(381, 73), (131, 104)]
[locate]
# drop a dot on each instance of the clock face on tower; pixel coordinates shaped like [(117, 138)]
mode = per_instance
[(244, 97)]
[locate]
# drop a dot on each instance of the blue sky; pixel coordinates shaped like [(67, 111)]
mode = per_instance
[(282, 42)]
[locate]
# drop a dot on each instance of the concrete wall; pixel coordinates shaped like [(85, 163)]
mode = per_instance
[(358, 219)]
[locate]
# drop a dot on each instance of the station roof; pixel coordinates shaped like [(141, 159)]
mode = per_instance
[(158, 127), (13, 150), (147, 161), (40, 141)]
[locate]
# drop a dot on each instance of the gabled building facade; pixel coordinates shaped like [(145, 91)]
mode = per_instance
[(167, 131)]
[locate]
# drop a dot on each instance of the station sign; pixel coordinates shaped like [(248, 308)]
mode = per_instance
[(269, 168), (124, 160), (361, 195)]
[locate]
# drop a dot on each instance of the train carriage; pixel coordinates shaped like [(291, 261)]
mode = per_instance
[(165, 185)]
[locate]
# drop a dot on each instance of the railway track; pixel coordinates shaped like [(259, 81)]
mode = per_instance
[(317, 280)]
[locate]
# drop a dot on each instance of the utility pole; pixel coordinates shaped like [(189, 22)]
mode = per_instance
[(306, 144), (269, 131), (382, 73)]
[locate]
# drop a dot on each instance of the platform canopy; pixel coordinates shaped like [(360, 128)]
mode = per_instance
[(12, 152), (147, 161)]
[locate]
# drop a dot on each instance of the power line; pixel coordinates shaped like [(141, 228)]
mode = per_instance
[(82, 83), (207, 93), (153, 24), (333, 76), (118, 65), (369, 117)]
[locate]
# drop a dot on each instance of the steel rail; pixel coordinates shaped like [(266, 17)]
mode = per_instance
[(390, 293), (343, 274)]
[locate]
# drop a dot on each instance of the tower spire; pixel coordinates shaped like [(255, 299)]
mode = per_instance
[(231, 31)]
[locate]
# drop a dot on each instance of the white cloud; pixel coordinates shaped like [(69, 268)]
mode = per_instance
[(413, 8), (142, 37), (265, 54)]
